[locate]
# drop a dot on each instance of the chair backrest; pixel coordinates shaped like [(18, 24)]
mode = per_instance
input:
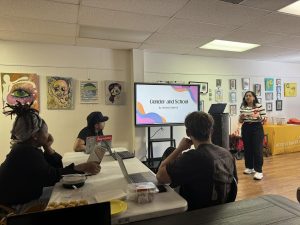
[(99, 213), (298, 194)]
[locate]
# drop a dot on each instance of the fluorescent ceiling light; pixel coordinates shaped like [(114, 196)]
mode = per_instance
[(293, 8), (231, 46)]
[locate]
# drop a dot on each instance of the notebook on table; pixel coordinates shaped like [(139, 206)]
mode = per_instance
[(99, 213), (217, 108), (135, 177)]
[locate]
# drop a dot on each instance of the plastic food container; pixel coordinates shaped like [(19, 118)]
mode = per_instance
[(73, 181), (141, 192)]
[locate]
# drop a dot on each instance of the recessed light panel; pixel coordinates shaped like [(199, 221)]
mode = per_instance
[(293, 8), (231, 46)]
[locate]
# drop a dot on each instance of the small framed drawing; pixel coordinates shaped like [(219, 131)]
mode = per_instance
[(203, 86), (269, 84), (245, 83), (114, 92), (219, 95), (202, 105), (218, 82), (278, 82), (259, 100), (269, 106), (232, 97), (89, 91), (269, 96), (232, 84), (278, 105), (257, 89), (232, 110)]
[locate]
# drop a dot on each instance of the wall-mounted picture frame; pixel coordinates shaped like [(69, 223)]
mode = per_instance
[(203, 86), (278, 105), (232, 110), (201, 105), (278, 96), (219, 95), (290, 89), (269, 84), (89, 92), (232, 97), (232, 84), (269, 106), (218, 83), (269, 96), (278, 82), (245, 83), (257, 89), (259, 100), (114, 92)]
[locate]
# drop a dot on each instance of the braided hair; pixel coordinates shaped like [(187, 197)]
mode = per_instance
[(27, 121)]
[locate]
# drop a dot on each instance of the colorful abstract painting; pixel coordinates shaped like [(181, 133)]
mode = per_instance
[(22, 87), (89, 91), (269, 84), (60, 94), (114, 92)]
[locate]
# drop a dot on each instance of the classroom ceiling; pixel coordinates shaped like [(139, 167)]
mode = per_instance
[(167, 26)]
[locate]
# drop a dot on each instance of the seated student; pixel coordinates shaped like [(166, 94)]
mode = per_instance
[(27, 169), (207, 174), (95, 126)]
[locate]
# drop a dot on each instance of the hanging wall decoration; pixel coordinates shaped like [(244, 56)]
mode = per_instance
[(269, 84), (114, 92), (60, 93), (245, 83), (218, 83), (290, 89), (89, 91), (257, 89), (22, 87), (232, 84), (203, 86), (232, 97), (219, 95), (269, 106), (232, 110), (278, 105)]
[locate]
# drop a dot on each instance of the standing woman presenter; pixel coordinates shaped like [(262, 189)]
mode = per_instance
[(252, 116)]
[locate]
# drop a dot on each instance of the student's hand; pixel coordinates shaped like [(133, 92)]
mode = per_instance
[(185, 144), (47, 145), (88, 167)]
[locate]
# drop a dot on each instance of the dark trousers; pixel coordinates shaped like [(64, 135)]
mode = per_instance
[(253, 137)]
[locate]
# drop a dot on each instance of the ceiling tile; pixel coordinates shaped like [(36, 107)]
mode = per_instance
[(122, 20), (37, 9), (106, 43), (37, 26), (190, 28), (267, 4), (218, 12), (152, 7)]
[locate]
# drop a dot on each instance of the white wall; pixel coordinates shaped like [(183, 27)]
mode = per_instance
[(169, 67), (80, 63)]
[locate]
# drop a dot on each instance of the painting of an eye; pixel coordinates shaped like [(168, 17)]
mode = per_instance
[(20, 93), (18, 87)]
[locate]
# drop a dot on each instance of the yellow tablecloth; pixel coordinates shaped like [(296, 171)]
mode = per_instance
[(283, 138)]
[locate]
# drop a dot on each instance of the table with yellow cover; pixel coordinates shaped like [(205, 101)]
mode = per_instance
[(283, 138)]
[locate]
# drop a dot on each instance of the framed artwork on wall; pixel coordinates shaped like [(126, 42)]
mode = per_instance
[(232, 84), (259, 100), (269, 96), (269, 84), (257, 89), (278, 105), (219, 95), (218, 82), (232, 110), (269, 106), (278, 82), (114, 92), (88, 91), (232, 97), (203, 86), (245, 83), (290, 89)]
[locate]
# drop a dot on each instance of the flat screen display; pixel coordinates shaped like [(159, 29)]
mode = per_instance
[(159, 104)]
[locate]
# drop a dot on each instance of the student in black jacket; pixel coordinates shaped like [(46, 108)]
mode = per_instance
[(32, 164)]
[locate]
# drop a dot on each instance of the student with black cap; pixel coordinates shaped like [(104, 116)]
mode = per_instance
[(95, 126)]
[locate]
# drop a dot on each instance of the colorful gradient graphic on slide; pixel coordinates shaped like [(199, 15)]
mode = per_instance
[(143, 117)]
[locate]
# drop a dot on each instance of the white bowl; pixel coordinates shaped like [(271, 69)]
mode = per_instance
[(73, 180)]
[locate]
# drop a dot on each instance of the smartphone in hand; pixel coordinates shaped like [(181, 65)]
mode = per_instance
[(97, 154)]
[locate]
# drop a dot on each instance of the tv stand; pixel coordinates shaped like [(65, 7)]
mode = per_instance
[(151, 159)]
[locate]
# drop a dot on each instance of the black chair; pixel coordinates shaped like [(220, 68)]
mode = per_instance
[(298, 194)]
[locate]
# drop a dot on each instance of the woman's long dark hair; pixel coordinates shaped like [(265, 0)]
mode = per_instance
[(244, 103)]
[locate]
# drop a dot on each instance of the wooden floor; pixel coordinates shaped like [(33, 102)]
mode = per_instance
[(281, 177)]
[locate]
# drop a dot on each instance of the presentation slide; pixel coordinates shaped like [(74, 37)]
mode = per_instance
[(165, 104)]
